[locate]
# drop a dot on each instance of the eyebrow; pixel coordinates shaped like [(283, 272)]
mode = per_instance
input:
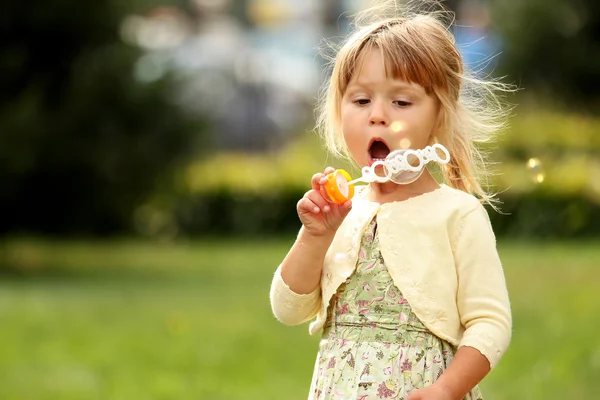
[(394, 86)]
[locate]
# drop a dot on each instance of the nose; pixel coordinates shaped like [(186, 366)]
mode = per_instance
[(378, 116)]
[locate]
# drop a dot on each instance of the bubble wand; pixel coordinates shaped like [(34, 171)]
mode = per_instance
[(397, 166)]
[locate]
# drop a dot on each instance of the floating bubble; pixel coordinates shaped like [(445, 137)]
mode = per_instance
[(405, 143), (396, 126), (534, 165)]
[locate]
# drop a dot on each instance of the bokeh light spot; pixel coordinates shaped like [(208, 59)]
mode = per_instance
[(396, 126), (405, 143), (534, 165)]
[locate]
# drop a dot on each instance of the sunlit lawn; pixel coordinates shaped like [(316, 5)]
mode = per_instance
[(132, 320)]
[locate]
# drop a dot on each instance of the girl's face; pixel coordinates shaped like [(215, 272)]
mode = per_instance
[(380, 114)]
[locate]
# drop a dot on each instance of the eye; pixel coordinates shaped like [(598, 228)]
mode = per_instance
[(362, 102), (402, 103)]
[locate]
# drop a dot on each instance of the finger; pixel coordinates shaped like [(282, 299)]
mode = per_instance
[(307, 206), (318, 180), (346, 207), (317, 198), (324, 194), (328, 170), (342, 210)]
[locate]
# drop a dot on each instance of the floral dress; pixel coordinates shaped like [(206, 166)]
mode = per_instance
[(373, 345)]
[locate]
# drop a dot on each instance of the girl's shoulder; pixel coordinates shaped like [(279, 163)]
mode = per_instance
[(461, 200)]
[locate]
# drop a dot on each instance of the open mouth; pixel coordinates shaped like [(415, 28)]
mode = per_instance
[(378, 150)]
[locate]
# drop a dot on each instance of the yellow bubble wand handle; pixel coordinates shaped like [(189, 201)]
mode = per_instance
[(339, 186)]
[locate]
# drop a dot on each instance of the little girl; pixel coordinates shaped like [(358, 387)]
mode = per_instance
[(404, 279)]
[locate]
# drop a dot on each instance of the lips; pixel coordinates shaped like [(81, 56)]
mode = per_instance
[(378, 150)]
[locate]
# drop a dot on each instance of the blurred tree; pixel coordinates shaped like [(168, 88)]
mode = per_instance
[(552, 46), (82, 143)]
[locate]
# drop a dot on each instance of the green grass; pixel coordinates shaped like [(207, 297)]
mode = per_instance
[(133, 320)]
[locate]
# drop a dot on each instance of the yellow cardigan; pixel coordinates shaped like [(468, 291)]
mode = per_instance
[(440, 251)]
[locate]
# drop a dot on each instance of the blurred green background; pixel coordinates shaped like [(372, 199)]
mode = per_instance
[(151, 156)]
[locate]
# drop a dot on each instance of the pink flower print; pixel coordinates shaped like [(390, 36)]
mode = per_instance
[(392, 294), (383, 391), (366, 371), (363, 303), (331, 364), (343, 309), (387, 371), (370, 266), (361, 254), (402, 301), (351, 361), (366, 356), (403, 317), (366, 287), (406, 365), (363, 311)]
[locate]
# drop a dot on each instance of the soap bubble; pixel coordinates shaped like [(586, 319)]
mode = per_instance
[(534, 165), (405, 143), (396, 126)]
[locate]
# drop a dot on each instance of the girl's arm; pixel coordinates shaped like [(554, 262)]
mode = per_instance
[(301, 268), (295, 291), (483, 304), (482, 296), (467, 369)]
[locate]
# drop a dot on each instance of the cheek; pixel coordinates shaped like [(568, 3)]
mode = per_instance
[(425, 125), (346, 116), (415, 134), (352, 137), (348, 125)]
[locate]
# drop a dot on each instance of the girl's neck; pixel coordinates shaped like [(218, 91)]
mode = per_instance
[(389, 191)]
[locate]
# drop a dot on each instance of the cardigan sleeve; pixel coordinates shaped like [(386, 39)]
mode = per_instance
[(482, 296), (292, 308)]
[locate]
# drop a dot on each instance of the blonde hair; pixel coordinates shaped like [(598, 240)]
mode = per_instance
[(417, 46)]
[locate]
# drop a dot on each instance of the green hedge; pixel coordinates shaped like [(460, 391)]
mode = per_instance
[(531, 215), (245, 194)]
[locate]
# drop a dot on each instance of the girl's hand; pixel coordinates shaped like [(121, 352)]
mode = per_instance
[(433, 392), (318, 215)]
